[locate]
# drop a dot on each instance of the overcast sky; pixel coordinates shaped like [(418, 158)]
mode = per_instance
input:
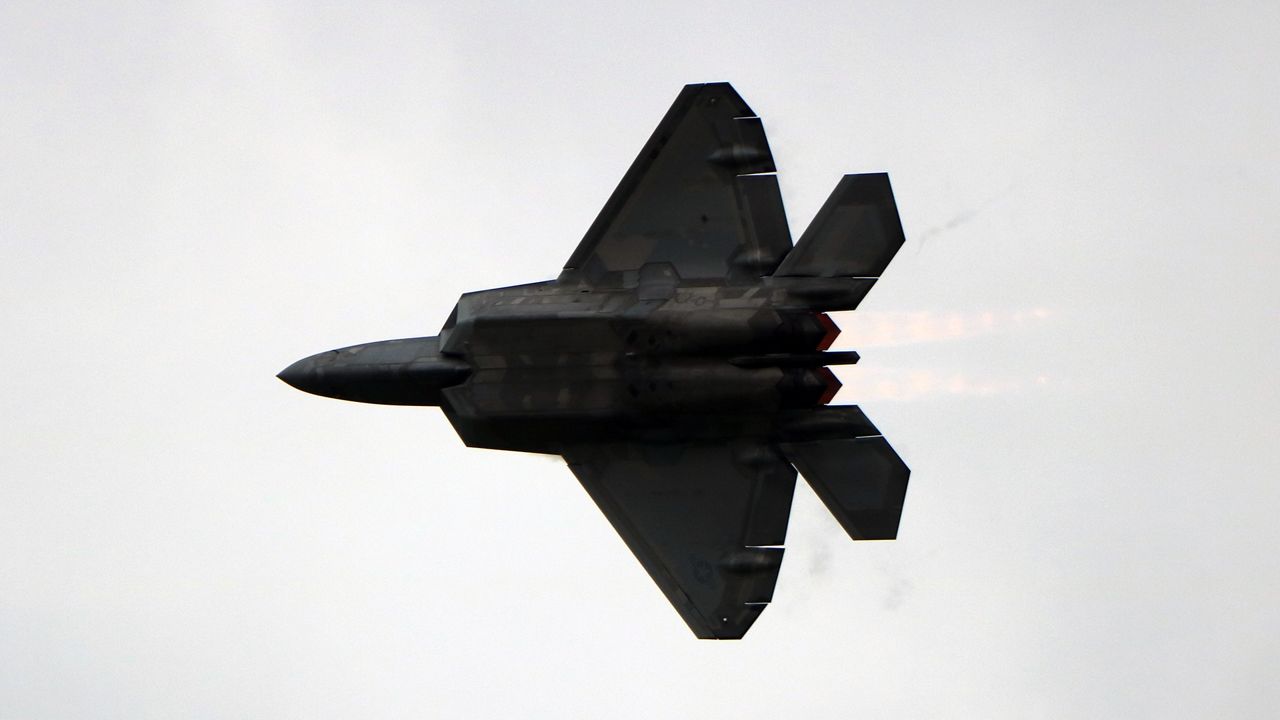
[(1075, 352)]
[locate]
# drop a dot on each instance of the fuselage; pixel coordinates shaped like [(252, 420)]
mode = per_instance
[(533, 367)]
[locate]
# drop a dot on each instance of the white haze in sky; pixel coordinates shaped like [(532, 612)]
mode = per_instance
[(1075, 352)]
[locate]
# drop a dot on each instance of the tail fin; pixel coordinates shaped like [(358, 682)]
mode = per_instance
[(861, 480), (855, 234), (850, 242)]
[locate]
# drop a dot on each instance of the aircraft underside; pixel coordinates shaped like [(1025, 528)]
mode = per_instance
[(679, 362)]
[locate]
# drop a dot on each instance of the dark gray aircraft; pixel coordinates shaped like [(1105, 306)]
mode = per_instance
[(678, 362)]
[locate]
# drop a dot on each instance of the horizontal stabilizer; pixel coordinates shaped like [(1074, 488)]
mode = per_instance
[(861, 480), (855, 234)]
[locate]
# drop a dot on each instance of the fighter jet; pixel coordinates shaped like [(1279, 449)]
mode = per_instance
[(678, 363)]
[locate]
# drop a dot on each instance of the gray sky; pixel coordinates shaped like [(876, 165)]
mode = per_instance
[(1075, 353)]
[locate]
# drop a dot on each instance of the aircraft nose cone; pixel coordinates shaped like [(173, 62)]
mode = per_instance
[(294, 374), (301, 375), (408, 371)]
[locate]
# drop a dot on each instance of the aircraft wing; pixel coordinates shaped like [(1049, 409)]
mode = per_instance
[(706, 522), (698, 196)]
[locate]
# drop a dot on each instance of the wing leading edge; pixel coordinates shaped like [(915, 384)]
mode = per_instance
[(705, 521), (698, 196)]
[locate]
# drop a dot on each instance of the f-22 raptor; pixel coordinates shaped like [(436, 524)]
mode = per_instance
[(678, 362)]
